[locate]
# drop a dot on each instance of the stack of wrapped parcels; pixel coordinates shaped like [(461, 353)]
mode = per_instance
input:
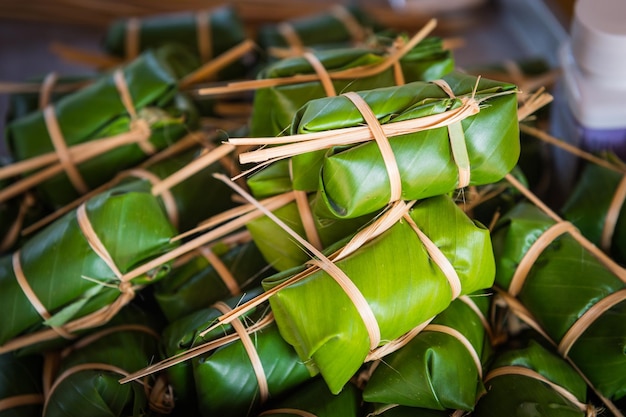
[(326, 219)]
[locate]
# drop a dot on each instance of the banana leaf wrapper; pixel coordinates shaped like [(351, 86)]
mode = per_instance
[(152, 85), (278, 247), (87, 379), (274, 107), (223, 380), (436, 370), (397, 278), (323, 29), (197, 284), (511, 394), (21, 390), (315, 398), (591, 208), (350, 188), (581, 280), (205, 34), (69, 277)]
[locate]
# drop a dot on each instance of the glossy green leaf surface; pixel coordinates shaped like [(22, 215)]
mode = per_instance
[(21, 376), (523, 396), (565, 282), (434, 370), (397, 277), (152, 84), (62, 268), (353, 181)]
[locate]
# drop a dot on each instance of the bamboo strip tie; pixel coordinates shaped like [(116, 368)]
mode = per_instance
[(222, 270), (292, 411), (462, 339), (203, 33), (527, 372), (352, 25), (458, 143), (308, 221), (253, 355), (167, 197), (20, 401), (47, 86), (62, 152), (132, 40), (612, 215), (292, 38), (389, 159), (322, 73)]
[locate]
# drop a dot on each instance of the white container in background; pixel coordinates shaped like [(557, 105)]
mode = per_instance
[(590, 101)]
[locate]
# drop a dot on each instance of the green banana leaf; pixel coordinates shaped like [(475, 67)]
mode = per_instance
[(588, 207), (435, 370), (322, 29), (565, 281), (153, 88), (223, 381), (491, 137), (278, 247), (196, 284), (274, 107), (524, 396), (315, 398), (181, 28), (69, 278), (398, 279), (350, 188), (95, 391), (21, 382)]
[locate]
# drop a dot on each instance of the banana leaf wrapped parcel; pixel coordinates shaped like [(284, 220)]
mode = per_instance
[(21, 385), (124, 117), (596, 207), (80, 270), (466, 133), (392, 282), (533, 381), (442, 366), (275, 106), (314, 399), (243, 366), (88, 372), (538, 257), (396, 410), (206, 34), (339, 26)]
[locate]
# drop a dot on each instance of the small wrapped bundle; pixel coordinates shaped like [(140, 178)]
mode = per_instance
[(596, 207), (21, 389), (275, 106), (210, 274), (339, 26), (235, 368), (441, 367), (206, 34), (538, 256), (456, 132), (533, 382), (395, 274), (314, 399), (125, 116), (88, 373), (82, 269), (276, 245)]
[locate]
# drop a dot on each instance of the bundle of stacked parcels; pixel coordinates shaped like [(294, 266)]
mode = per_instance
[(343, 273)]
